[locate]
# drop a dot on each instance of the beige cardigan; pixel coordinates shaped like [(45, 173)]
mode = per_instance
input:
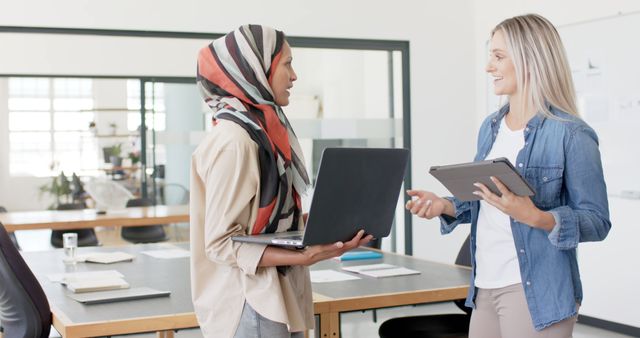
[(225, 188)]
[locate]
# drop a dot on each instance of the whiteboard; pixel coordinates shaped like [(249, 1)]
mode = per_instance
[(604, 56), (605, 61)]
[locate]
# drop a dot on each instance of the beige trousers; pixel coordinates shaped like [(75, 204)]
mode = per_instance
[(503, 313)]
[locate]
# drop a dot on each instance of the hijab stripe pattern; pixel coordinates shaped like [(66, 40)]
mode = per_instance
[(233, 78)]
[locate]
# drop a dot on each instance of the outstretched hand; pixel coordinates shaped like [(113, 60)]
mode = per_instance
[(316, 253), (427, 205)]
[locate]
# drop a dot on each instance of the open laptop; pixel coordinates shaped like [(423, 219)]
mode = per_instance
[(356, 188)]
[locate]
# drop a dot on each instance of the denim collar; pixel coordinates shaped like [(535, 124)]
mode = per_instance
[(533, 123)]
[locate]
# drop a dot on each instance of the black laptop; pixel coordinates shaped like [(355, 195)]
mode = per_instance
[(356, 188)]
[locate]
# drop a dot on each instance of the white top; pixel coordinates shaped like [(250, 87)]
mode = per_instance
[(496, 257)]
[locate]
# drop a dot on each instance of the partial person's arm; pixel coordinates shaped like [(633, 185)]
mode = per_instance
[(585, 217), (450, 210), (231, 177)]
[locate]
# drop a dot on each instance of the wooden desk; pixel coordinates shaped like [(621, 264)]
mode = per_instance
[(438, 282), (88, 218)]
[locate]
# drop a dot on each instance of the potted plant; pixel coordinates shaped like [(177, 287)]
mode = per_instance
[(134, 156), (93, 128), (114, 128), (60, 188), (114, 157)]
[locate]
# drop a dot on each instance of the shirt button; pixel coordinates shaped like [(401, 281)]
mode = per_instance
[(528, 283), (521, 250), (526, 129), (545, 178), (526, 143), (494, 120), (520, 165)]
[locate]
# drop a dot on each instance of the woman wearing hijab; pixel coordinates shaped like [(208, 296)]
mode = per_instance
[(247, 176)]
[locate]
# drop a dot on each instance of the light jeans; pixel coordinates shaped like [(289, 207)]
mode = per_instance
[(503, 313), (253, 325)]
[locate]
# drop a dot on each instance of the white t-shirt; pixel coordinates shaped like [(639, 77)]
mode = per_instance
[(496, 257)]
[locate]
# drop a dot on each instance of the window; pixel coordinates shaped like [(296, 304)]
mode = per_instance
[(154, 101), (49, 126)]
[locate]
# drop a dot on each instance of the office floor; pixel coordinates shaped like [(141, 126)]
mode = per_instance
[(354, 324)]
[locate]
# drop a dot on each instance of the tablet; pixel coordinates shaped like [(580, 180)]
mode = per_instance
[(459, 178)]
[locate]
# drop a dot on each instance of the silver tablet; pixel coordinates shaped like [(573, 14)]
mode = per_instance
[(459, 178)]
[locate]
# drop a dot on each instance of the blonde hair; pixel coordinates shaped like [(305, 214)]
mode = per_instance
[(542, 71)]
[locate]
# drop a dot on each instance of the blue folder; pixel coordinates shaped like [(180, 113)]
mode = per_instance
[(358, 255)]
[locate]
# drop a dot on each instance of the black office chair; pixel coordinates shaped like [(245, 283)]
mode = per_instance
[(86, 237), (14, 240), (24, 309), (433, 326), (145, 233)]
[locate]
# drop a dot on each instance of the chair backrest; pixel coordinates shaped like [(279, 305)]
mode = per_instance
[(71, 206), (14, 240), (173, 194), (139, 202), (464, 258), (24, 309), (464, 255)]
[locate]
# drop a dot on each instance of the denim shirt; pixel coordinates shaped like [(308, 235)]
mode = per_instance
[(561, 161)]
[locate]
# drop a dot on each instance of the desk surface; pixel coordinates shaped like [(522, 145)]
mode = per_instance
[(437, 282), (88, 218)]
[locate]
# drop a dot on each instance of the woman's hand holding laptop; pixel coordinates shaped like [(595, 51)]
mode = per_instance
[(316, 253), (276, 256)]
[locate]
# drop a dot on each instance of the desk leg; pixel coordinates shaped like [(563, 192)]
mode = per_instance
[(164, 334), (330, 325)]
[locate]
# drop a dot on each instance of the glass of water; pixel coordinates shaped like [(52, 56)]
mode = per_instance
[(70, 245)]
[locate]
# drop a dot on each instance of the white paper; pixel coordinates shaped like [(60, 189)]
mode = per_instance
[(168, 254), (87, 275), (104, 257), (381, 270), (328, 276)]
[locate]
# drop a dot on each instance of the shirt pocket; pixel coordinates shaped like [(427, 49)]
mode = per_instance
[(547, 183)]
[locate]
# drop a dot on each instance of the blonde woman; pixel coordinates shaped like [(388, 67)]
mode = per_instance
[(525, 279)]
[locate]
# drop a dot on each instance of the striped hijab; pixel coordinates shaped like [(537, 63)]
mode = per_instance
[(233, 78)]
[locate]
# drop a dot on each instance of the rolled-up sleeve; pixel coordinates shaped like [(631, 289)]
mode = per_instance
[(231, 178), (462, 215), (585, 215)]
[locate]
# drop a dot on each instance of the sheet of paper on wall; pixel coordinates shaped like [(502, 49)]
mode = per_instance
[(168, 254), (380, 270), (328, 276)]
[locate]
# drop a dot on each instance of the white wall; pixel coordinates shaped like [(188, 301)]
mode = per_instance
[(608, 271)]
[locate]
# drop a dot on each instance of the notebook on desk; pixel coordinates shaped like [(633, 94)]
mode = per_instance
[(118, 295), (102, 284)]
